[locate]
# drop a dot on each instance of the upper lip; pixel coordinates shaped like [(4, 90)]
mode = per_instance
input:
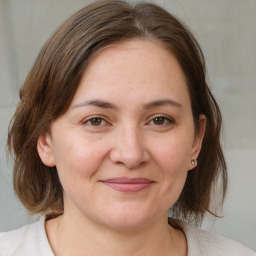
[(124, 180)]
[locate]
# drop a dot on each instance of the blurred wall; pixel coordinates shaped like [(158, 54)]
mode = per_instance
[(226, 31)]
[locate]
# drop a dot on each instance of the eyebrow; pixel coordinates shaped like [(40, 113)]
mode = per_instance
[(163, 102), (97, 103), (108, 105)]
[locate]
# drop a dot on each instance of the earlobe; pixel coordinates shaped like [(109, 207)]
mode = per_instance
[(45, 150), (197, 144)]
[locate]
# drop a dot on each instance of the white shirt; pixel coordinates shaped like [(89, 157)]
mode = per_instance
[(32, 240)]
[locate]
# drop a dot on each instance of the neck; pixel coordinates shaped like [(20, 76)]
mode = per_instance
[(68, 236)]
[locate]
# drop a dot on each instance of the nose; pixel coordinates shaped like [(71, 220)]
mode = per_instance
[(129, 148)]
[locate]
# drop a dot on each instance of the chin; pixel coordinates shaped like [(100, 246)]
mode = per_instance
[(130, 219)]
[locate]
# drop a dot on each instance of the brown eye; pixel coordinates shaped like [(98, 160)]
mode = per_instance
[(96, 121), (160, 120)]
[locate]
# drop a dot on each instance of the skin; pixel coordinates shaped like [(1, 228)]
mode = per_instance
[(130, 138)]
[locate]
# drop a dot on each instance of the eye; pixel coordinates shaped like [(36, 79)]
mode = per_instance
[(161, 121), (94, 121)]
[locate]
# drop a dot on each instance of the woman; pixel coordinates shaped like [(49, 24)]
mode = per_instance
[(116, 126)]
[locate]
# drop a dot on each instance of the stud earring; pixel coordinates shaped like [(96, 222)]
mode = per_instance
[(193, 161)]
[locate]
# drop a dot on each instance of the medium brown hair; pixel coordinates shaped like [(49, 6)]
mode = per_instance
[(53, 81)]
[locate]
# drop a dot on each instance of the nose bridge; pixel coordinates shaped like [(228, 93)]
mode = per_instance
[(129, 147), (130, 139)]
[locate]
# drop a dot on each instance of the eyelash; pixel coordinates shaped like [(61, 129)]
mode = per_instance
[(166, 121), (94, 118)]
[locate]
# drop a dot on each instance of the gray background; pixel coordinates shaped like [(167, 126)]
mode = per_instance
[(226, 30)]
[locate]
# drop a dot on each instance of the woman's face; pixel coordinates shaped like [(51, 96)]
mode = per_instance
[(124, 147)]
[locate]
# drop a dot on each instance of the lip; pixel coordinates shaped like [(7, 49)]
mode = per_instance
[(128, 184)]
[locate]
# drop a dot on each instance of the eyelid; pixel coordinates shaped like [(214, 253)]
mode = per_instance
[(89, 118), (162, 115), (167, 117)]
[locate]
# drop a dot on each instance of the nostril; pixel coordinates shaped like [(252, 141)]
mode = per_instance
[(131, 159)]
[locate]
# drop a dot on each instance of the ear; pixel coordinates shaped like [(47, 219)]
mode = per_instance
[(45, 149), (196, 148)]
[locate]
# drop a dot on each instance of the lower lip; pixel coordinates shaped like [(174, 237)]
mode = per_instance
[(128, 187)]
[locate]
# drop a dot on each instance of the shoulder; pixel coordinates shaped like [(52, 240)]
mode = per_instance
[(28, 240), (201, 242), (19, 241)]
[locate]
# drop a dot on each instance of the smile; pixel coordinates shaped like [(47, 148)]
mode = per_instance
[(128, 184)]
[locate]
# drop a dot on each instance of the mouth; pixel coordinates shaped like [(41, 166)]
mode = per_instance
[(128, 184)]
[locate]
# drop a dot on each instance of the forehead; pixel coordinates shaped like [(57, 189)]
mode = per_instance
[(132, 69)]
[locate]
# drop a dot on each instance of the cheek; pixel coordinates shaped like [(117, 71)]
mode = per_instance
[(77, 166), (172, 158), (77, 159), (173, 153)]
